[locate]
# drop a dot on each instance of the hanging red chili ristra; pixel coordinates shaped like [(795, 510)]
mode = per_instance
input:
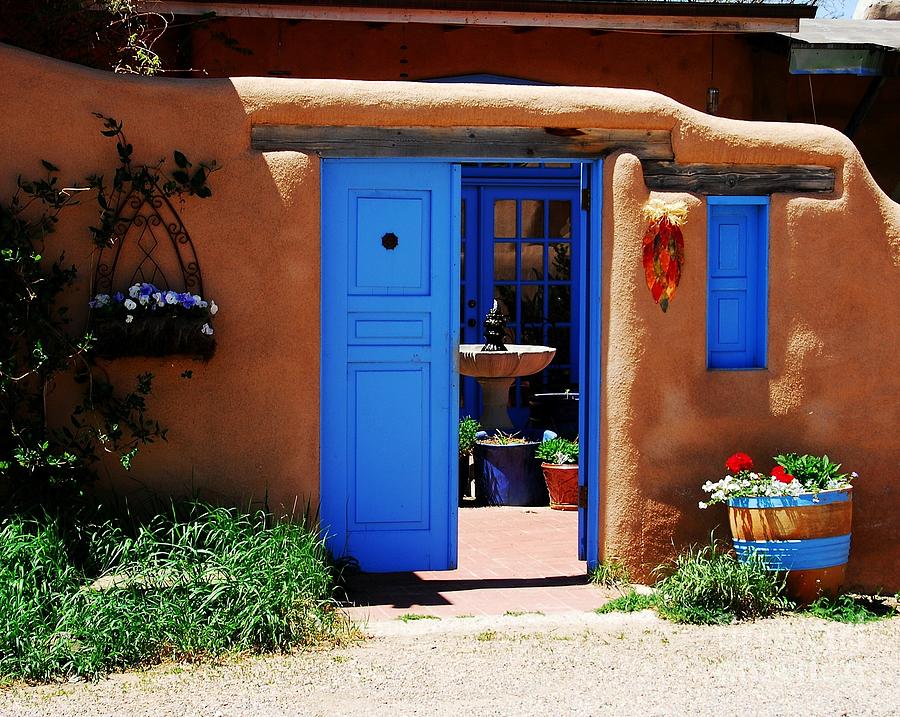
[(663, 250)]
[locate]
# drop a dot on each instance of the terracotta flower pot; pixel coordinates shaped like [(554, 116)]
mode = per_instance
[(562, 484), (807, 535)]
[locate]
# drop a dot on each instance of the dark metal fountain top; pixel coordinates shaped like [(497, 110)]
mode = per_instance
[(494, 329)]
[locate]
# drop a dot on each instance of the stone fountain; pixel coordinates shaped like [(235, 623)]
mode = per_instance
[(495, 366)]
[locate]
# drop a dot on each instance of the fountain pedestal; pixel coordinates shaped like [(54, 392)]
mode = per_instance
[(495, 398)]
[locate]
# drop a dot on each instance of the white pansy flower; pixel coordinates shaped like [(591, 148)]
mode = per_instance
[(130, 305), (213, 308), (171, 297), (206, 329), (129, 318)]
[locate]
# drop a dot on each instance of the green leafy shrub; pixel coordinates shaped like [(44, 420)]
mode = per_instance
[(216, 581), (705, 585), (468, 427), (558, 451), (851, 608)]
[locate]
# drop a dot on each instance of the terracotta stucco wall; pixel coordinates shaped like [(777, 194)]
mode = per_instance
[(247, 422)]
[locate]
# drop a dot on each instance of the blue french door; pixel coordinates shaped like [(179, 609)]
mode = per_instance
[(521, 238), (390, 297)]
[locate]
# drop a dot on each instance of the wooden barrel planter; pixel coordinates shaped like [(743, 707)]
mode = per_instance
[(562, 485), (807, 535)]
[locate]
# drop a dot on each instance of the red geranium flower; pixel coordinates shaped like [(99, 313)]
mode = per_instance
[(739, 462), (779, 474)]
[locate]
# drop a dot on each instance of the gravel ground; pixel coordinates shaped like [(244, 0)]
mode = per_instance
[(570, 664)]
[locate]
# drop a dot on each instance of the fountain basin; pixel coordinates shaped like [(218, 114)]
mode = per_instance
[(517, 360)]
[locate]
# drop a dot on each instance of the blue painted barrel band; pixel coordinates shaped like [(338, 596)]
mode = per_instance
[(791, 501), (808, 554)]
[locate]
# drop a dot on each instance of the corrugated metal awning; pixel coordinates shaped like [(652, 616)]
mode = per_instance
[(845, 47)]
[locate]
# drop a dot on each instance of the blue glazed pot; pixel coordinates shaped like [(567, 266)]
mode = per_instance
[(509, 475)]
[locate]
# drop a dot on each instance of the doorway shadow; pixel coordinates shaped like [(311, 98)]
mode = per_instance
[(403, 590)]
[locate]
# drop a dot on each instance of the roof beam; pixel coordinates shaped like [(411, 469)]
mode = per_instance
[(736, 179), (461, 142), (524, 18)]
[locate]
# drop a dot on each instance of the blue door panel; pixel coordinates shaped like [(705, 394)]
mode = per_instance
[(394, 498), (389, 389), (379, 269)]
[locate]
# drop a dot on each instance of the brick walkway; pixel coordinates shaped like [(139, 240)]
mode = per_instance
[(510, 560)]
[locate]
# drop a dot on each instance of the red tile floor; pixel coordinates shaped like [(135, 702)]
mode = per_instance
[(510, 560)]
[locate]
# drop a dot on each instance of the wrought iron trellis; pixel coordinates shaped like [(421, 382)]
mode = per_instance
[(148, 221)]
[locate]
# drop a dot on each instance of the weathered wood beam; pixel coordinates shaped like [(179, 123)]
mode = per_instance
[(737, 179), (644, 16), (462, 142)]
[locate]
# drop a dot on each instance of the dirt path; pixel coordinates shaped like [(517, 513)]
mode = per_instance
[(567, 664)]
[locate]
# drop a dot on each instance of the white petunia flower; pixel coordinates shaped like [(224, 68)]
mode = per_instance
[(129, 319), (130, 305), (702, 505), (206, 329)]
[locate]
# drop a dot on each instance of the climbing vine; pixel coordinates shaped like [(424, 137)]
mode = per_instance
[(42, 348)]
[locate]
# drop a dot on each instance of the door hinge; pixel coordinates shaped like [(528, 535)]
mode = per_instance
[(586, 199), (582, 496)]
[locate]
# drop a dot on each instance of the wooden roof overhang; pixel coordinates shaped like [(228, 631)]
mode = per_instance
[(649, 15)]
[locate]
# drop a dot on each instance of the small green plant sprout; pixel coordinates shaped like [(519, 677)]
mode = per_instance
[(468, 428), (629, 602), (609, 573), (413, 616), (558, 451), (706, 585), (486, 635)]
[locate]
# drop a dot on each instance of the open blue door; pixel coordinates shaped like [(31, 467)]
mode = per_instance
[(390, 303)]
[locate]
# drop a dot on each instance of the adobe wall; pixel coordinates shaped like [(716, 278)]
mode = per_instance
[(247, 423), (750, 70)]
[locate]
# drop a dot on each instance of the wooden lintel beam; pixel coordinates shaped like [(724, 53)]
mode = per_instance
[(462, 142), (733, 179)]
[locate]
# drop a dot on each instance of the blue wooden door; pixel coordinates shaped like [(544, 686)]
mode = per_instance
[(736, 297), (390, 297)]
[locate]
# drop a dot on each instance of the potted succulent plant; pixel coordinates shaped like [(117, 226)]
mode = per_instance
[(797, 517), (506, 472), (468, 428), (559, 463)]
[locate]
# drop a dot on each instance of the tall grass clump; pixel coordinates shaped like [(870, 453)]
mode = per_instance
[(705, 585), (183, 586)]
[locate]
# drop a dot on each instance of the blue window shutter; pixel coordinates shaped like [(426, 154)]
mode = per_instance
[(737, 286)]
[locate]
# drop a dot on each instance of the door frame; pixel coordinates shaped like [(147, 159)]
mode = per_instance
[(590, 313)]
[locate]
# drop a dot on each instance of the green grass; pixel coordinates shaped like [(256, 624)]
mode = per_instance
[(705, 585), (413, 616), (629, 602), (852, 608), (211, 582), (610, 573)]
